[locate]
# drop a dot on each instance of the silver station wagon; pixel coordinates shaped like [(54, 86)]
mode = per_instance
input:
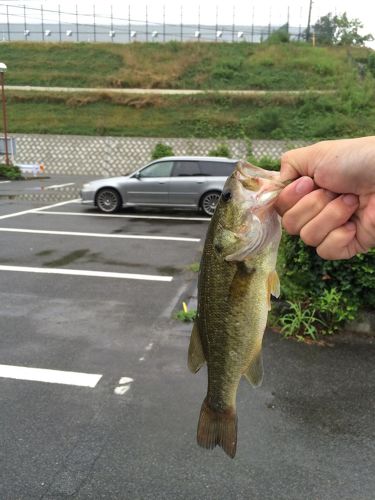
[(173, 181)]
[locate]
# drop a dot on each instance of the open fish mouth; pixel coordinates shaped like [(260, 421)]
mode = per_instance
[(266, 185)]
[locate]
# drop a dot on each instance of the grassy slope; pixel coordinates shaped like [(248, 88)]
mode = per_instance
[(350, 112), (176, 65)]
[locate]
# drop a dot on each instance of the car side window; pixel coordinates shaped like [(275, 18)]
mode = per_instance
[(159, 169), (186, 168), (221, 169)]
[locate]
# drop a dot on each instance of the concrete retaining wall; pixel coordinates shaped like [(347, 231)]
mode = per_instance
[(107, 156)]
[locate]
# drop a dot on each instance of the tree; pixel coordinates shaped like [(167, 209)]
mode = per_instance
[(339, 30)]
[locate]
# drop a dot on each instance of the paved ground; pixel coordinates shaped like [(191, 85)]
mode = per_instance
[(308, 432)]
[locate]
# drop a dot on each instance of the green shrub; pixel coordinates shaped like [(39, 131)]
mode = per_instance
[(270, 120), (10, 172), (160, 150), (323, 294), (220, 150)]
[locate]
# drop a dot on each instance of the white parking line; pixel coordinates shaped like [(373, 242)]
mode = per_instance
[(128, 216), (57, 186), (33, 210), (82, 272), (98, 235), (51, 376)]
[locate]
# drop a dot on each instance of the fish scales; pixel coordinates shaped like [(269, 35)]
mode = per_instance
[(237, 275)]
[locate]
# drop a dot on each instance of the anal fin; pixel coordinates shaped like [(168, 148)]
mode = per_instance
[(254, 373), (273, 287), (196, 357)]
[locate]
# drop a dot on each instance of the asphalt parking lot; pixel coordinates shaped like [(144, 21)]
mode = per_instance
[(96, 398)]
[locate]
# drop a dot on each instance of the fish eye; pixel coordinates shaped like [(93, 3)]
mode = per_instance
[(226, 196)]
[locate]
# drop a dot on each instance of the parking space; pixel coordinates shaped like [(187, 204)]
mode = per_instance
[(67, 251)]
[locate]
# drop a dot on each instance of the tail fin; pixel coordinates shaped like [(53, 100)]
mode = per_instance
[(217, 428)]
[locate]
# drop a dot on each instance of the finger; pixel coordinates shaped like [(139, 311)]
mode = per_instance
[(341, 243), (333, 215), (297, 162), (293, 193), (306, 209)]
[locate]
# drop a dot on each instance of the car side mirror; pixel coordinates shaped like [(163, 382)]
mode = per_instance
[(137, 175)]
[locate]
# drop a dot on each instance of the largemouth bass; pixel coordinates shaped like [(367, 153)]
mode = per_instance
[(236, 278)]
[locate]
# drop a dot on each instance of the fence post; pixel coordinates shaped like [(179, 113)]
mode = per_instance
[(111, 23), (164, 23), (8, 27), (94, 19), (216, 25), (233, 27), (77, 34), (59, 22), (146, 24), (181, 35), (252, 25), (41, 15), (24, 22)]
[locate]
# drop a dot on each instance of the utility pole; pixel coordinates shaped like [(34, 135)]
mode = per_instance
[(308, 22)]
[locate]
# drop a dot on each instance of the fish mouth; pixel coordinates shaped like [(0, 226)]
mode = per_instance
[(264, 184)]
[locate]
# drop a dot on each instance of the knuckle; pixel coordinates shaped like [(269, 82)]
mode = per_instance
[(309, 237), (324, 253), (290, 224)]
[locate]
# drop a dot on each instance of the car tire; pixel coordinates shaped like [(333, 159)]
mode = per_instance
[(108, 200), (209, 201)]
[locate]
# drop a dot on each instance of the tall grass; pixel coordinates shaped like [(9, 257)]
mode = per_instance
[(350, 112), (192, 65)]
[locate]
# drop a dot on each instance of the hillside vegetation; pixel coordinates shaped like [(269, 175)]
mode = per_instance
[(177, 65), (348, 108)]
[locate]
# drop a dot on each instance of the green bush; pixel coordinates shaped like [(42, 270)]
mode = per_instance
[(10, 172), (160, 150), (221, 150), (322, 294)]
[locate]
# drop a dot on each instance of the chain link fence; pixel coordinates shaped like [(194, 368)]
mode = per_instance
[(21, 22)]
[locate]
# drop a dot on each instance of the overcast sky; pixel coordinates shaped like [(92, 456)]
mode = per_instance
[(245, 11)]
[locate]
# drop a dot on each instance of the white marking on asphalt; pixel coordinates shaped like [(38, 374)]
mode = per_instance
[(124, 386), (51, 376), (57, 186), (34, 210), (125, 380), (142, 358), (149, 346), (98, 235), (81, 272), (121, 390), (4, 182), (129, 216)]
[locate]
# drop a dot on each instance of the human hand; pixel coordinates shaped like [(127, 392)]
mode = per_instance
[(331, 205)]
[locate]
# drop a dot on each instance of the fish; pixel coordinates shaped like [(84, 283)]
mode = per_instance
[(236, 279)]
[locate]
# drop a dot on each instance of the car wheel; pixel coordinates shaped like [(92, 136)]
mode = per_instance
[(209, 202), (108, 200)]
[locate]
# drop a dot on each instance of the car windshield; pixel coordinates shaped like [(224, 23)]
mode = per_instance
[(160, 169)]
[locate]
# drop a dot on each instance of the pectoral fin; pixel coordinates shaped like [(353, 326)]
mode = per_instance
[(196, 357), (254, 373), (273, 287)]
